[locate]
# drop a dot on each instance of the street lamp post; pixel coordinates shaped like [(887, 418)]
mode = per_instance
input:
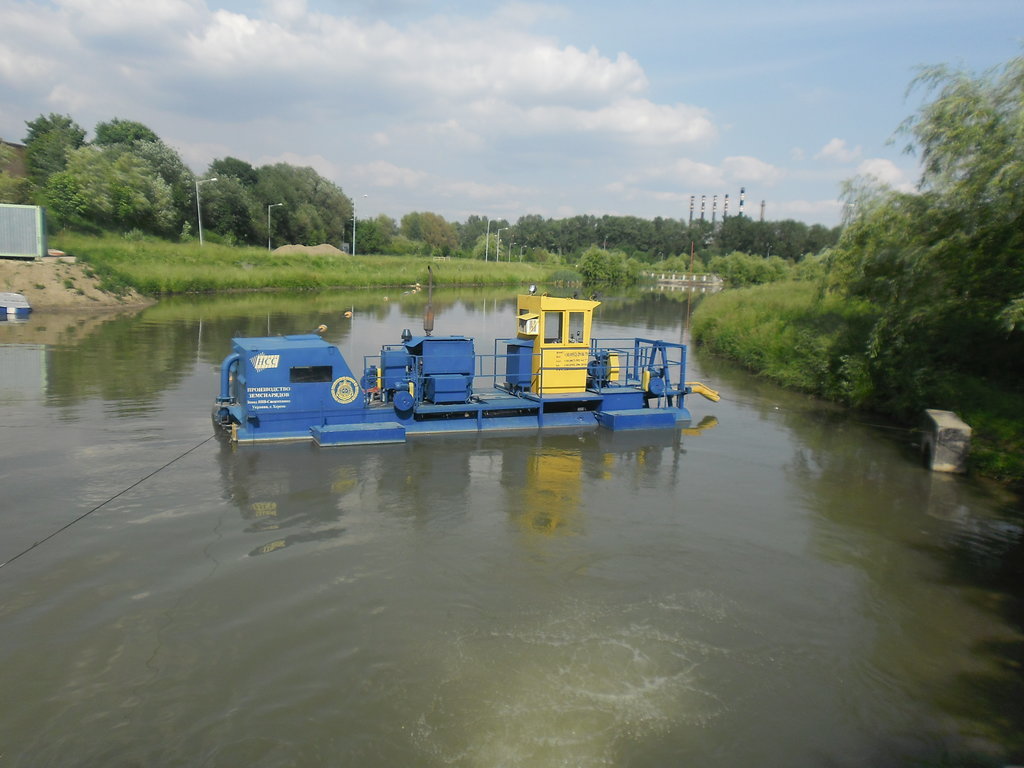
[(199, 210), (498, 245), (272, 205), (487, 240)]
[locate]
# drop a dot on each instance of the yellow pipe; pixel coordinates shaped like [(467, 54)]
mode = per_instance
[(706, 391)]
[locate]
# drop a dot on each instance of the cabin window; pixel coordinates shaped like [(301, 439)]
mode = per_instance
[(552, 327), (311, 374), (575, 327)]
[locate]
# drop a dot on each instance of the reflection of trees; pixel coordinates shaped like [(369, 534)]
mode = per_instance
[(654, 312), (287, 494), (124, 360), (944, 630), (987, 559)]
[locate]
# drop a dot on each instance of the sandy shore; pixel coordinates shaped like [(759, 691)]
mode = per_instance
[(61, 284)]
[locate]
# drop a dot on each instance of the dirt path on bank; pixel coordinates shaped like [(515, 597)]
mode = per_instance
[(61, 284)]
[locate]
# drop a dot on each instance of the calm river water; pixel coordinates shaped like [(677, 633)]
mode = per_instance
[(782, 586)]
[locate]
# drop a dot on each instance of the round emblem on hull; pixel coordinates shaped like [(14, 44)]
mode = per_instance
[(344, 390)]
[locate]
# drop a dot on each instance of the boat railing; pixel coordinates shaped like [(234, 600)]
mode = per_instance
[(653, 356), (635, 361)]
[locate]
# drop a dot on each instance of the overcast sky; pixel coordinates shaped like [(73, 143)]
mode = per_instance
[(504, 109)]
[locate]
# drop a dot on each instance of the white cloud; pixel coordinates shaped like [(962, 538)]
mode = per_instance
[(28, 37), (452, 132), (685, 173), (287, 11), (24, 66), (446, 71), (478, 191), (440, 57), (637, 121), (66, 98), (545, 71), (886, 172), (750, 170), (650, 123), (112, 17), (385, 174), (836, 149), (695, 175), (233, 44)]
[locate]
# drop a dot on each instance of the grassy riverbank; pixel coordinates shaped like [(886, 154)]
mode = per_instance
[(803, 338), (157, 267)]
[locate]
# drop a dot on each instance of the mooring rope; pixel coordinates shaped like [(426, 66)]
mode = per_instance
[(120, 493)]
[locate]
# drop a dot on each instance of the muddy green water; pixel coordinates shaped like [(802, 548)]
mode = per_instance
[(784, 586)]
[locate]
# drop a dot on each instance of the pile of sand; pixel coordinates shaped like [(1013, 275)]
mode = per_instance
[(60, 283), (324, 249)]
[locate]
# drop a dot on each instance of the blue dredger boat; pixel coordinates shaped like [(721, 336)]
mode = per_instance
[(551, 374)]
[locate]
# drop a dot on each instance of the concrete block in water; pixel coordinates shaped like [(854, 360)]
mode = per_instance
[(946, 442)]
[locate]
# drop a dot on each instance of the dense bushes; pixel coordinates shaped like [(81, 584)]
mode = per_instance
[(792, 333), (739, 269), (598, 266)]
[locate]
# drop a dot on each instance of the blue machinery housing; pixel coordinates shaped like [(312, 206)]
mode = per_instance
[(551, 375)]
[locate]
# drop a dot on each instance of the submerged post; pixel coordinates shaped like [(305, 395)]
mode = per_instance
[(946, 442)]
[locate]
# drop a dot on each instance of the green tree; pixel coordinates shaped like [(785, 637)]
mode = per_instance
[(945, 267), (54, 123), (471, 232), (119, 131), (532, 231), (13, 189), (375, 235), (600, 266), (317, 210), (439, 234), (739, 269), (230, 210), (48, 143), (432, 230), (168, 165), (121, 190), (239, 169), (64, 199), (412, 226)]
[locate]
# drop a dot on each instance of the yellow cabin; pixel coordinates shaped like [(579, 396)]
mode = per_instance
[(559, 331)]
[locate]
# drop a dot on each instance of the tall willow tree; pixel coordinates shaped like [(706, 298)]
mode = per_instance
[(945, 266)]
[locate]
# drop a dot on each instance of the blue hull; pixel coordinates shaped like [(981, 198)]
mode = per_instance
[(490, 412)]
